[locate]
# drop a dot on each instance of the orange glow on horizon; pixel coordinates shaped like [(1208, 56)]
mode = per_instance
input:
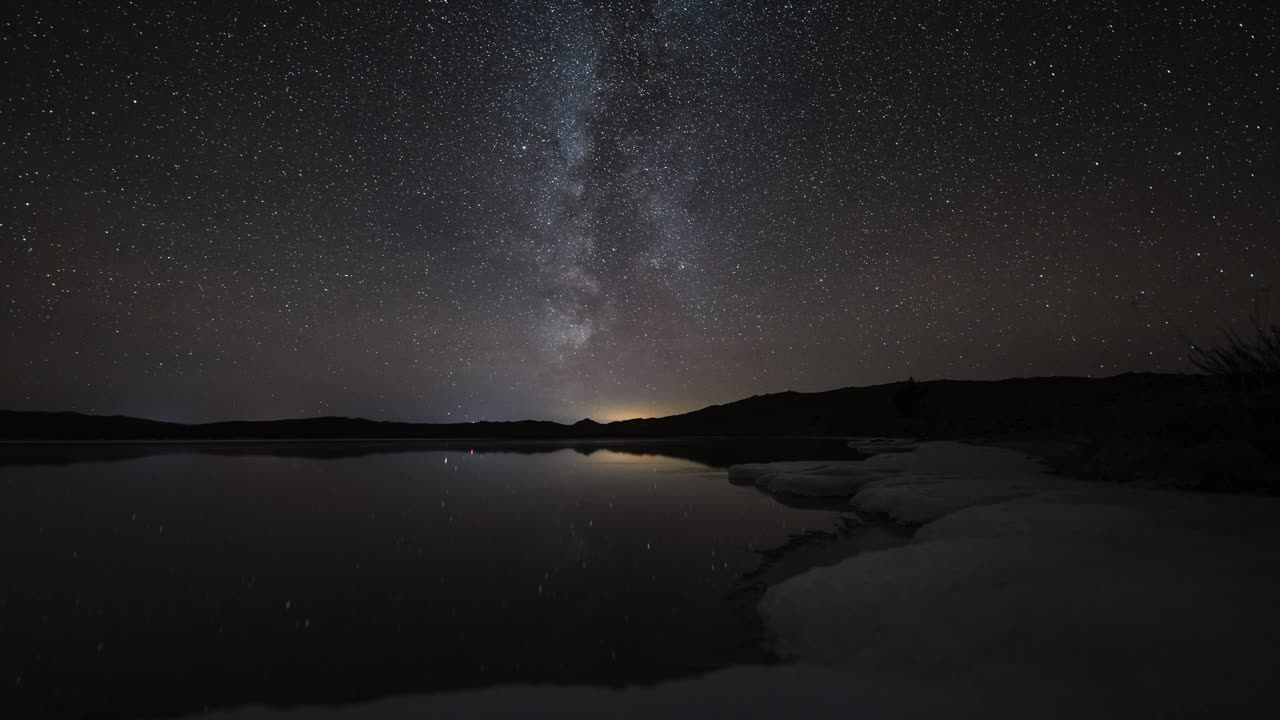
[(607, 415)]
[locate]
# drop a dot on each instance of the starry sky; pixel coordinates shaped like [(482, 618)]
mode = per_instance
[(453, 211)]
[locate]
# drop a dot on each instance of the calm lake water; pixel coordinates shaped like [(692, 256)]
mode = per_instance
[(154, 584)]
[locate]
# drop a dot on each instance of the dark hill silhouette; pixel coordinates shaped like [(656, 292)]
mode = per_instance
[(940, 408), (1116, 427), (946, 408)]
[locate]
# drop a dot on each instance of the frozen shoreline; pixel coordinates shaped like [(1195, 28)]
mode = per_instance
[(1154, 601), (1021, 594), (915, 487)]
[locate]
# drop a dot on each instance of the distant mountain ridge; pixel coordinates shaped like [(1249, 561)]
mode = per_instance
[(939, 408)]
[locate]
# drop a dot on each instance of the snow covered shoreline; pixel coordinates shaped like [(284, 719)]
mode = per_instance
[(1143, 601), (1022, 594), (911, 487)]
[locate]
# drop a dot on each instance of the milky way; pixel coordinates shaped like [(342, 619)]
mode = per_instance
[(460, 211)]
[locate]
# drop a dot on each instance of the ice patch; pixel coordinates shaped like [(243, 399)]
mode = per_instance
[(920, 498), (916, 487), (808, 479), (1147, 602)]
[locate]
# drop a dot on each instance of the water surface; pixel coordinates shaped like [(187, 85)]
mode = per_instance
[(175, 580)]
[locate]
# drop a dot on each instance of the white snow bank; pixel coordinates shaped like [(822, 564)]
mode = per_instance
[(920, 498), (1146, 602), (810, 479), (1138, 633), (935, 479)]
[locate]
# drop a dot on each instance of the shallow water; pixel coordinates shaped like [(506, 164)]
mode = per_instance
[(166, 583)]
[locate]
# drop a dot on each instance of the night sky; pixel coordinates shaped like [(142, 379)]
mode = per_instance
[(451, 211)]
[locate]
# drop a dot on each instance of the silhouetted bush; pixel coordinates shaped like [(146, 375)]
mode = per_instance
[(1241, 430), (1240, 356)]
